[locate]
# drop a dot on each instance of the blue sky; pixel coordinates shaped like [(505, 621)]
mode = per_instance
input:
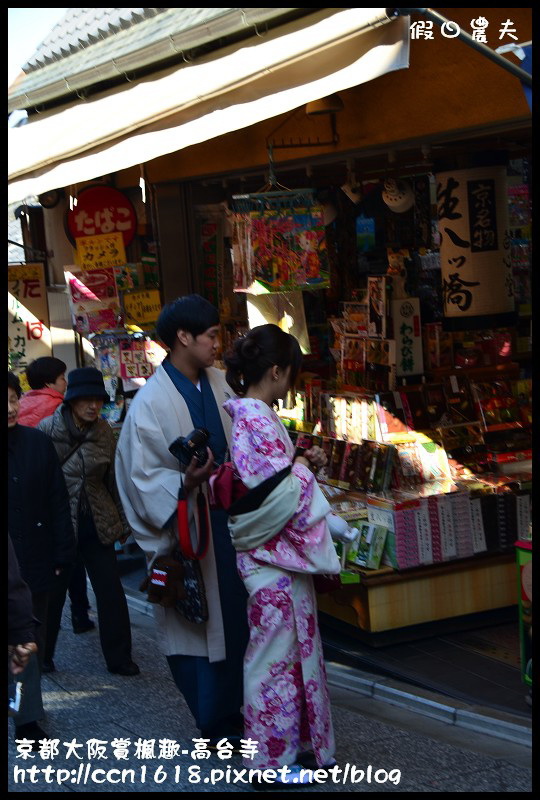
[(27, 27)]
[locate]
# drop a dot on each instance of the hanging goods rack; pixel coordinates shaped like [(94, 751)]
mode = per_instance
[(273, 196)]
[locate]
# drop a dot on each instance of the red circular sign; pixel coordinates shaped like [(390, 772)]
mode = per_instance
[(100, 210)]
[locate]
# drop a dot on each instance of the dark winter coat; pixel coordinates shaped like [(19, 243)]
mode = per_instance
[(38, 507), (90, 468), (21, 621)]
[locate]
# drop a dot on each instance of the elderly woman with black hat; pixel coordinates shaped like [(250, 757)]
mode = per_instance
[(85, 445)]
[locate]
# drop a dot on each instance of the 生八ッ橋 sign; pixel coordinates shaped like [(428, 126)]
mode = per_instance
[(476, 269)]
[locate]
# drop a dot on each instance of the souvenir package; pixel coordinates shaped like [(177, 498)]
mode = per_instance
[(380, 477), (369, 419), (408, 472), (390, 412), (327, 445), (377, 307), (438, 346), (338, 453), (496, 403), (436, 405), (396, 512), (479, 541), (305, 441), (354, 420), (353, 357), (464, 445), (347, 472), (373, 467), (522, 391), (434, 460), (380, 375), (415, 410), (328, 424), (495, 345), (462, 520), (367, 549), (364, 466), (459, 399), (423, 532), (355, 316), (312, 388)]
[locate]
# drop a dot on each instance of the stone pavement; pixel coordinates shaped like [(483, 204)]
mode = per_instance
[(382, 746)]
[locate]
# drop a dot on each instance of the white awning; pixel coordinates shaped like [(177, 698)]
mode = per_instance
[(229, 90)]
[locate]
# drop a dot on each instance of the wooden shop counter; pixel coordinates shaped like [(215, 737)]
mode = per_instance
[(385, 599)]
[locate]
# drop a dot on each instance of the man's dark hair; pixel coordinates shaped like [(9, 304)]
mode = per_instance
[(44, 370), (13, 383), (191, 313)]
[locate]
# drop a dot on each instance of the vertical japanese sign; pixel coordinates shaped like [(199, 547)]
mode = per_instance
[(408, 336), (475, 259), (29, 335)]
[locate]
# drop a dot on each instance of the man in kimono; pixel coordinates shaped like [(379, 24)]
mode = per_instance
[(187, 392)]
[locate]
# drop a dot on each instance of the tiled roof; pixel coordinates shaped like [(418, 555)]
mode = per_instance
[(81, 27), (90, 45)]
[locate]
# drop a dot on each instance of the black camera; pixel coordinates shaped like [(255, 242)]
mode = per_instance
[(185, 447)]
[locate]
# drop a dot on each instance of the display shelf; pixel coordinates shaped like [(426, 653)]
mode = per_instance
[(387, 600), (503, 426), (509, 370)]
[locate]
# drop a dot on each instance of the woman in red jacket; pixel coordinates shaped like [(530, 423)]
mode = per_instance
[(47, 380)]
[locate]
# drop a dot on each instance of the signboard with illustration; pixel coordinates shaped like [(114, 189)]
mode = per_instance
[(94, 301)]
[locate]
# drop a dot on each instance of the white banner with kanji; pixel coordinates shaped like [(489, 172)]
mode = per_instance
[(29, 335)]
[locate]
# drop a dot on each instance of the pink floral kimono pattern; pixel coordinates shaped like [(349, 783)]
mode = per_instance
[(286, 703)]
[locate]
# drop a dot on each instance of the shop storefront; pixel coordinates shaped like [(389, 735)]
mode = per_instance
[(396, 246)]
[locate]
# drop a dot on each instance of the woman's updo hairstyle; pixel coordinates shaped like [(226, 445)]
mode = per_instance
[(252, 355)]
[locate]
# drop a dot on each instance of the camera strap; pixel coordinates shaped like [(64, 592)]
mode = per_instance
[(184, 536)]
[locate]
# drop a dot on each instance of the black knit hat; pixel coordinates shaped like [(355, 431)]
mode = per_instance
[(85, 382)]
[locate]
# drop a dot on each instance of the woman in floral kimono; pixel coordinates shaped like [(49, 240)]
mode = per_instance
[(279, 547)]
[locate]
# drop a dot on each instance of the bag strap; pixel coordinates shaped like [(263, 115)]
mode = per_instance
[(256, 496), (73, 449), (184, 537)]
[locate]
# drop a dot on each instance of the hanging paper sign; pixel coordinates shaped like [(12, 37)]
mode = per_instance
[(29, 335), (95, 287), (377, 306), (107, 353), (142, 307), (100, 252), (476, 268), (101, 210), (408, 336), (280, 249), (139, 358), (94, 302)]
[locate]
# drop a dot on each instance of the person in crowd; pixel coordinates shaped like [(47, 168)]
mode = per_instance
[(187, 392), (280, 546), (41, 531), (21, 629), (85, 445), (21, 621), (47, 379)]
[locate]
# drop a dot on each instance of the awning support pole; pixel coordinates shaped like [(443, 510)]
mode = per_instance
[(438, 19)]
